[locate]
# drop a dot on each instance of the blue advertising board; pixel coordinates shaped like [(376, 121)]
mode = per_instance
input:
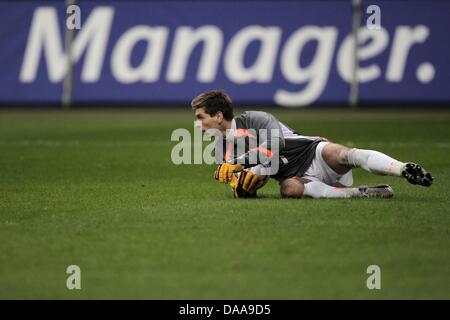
[(288, 53)]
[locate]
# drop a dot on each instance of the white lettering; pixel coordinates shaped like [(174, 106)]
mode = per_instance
[(262, 69), (45, 37), (316, 74), (150, 66)]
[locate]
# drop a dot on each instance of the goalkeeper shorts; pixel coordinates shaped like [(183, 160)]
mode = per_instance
[(320, 171)]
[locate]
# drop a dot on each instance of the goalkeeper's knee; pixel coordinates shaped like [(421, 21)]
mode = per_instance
[(292, 188)]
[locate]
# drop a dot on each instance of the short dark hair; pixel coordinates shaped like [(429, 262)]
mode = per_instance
[(213, 101)]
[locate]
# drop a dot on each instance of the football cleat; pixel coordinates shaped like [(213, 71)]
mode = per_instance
[(415, 174), (377, 191)]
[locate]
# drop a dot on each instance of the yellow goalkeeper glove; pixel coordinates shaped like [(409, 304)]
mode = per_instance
[(246, 184), (224, 171), (251, 182)]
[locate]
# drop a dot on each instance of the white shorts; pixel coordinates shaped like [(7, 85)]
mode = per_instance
[(320, 171)]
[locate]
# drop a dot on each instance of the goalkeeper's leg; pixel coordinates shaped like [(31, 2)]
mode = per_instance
[(298, 188), (341, 159)]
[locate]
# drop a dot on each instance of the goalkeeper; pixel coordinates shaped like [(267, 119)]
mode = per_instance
[(305, 166)]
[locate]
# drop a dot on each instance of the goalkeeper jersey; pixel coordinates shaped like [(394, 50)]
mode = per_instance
[(264, 138)]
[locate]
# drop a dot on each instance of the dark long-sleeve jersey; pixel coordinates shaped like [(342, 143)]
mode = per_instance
[(257, 138)]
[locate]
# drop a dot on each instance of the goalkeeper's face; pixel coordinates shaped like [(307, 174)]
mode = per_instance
[(206, 122)]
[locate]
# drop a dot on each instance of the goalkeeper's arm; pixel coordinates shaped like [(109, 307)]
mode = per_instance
[(271, 142)]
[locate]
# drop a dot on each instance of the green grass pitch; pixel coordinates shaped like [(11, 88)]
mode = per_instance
[(98, 189)]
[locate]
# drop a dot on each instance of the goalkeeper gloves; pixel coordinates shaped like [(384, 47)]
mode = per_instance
[(245, 184), (224, 171), (249, 181)]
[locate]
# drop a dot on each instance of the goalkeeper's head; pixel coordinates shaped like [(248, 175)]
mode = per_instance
[(213, 110)]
